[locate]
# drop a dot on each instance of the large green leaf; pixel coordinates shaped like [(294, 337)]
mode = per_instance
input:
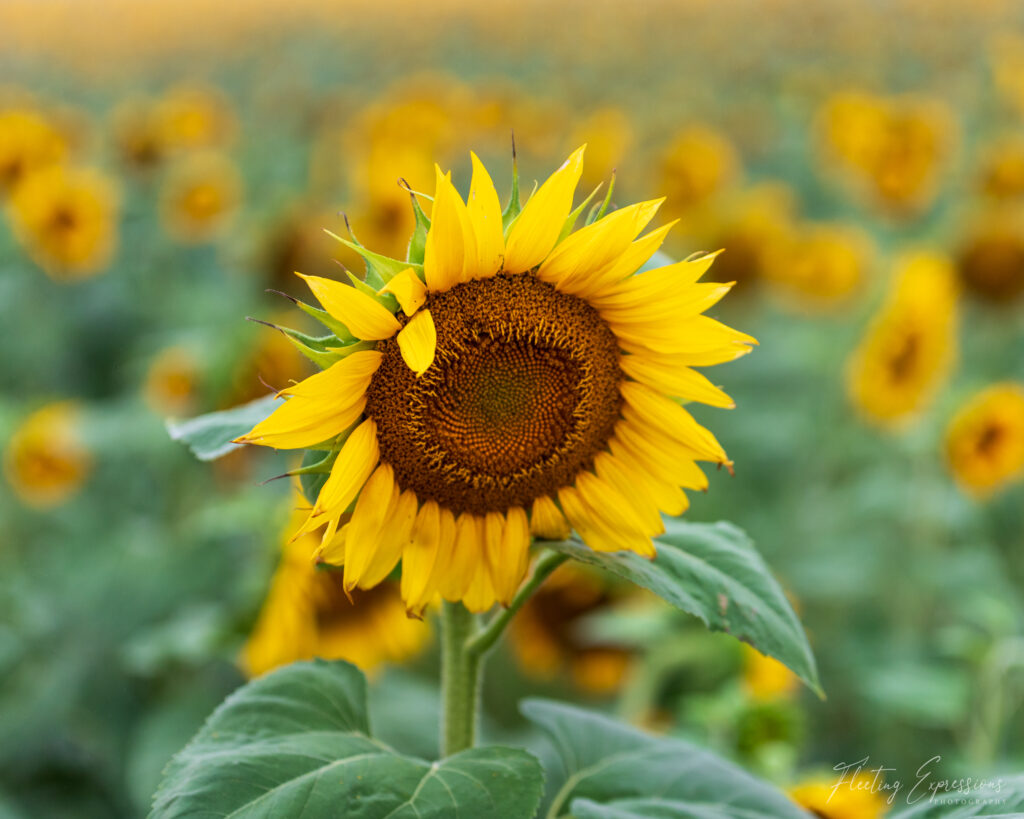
[(209, 436), (611, 771), (297, 743), (713, 571), (962, 798)]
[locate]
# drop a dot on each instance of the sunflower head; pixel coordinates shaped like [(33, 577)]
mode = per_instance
[(910, 344), (67, 220), (172, 381), (990, 261), (28, 142), (200, 197), (985, 440), (512, 377), (46, 460)]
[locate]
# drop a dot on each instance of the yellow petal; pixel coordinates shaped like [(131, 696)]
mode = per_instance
[(595, 532), (535, 231), (408, 289), (697, 334), (547, 521), (664, 416), (681, 382), (664, 494), (332, 552), (635, 256), (614, 508), (485, 219), (418, 342), (356, 461), (341, 382), (675, 465), (432, 533), (365, 317), (668, 308), (300, 423), (480, 595), (465, 557), (450, 240), (393, 539), (631, 492), (598, 245), (646, 287), (369, 519), (510, 561)]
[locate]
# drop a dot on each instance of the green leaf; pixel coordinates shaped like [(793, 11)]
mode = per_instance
[(297, 743), (209, 436), (714, 572), (418, 241), (606, 769), (962, 798)]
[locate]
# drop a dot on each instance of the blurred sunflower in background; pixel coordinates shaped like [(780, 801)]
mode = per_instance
[(28, 142), (308, 613), (985, 440), (698, 163), (67, 220), (910, 345), (172, 381), (521, 380), (547, 635), (990, 259), (200, 197), (46, 460)]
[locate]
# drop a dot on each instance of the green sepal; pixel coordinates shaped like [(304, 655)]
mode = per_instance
[(378, 268), (316, 466), (513, 207), (386, 300), (327, 320), (593, 216), (322, 350), (570, 222), (418, 243)]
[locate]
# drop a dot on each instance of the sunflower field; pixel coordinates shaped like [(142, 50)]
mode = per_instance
[(579, 410)]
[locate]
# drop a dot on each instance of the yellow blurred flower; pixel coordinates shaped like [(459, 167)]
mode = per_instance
[(765, 678), (851, 799), (200, 197), (135, 130), (28, 142), (985, 439), (698, 163), (66, 218), (172, 381), (46, 460), (545, 639), (1006, 53), (892, 148), (195, 116), (307, 613), (298, 241), (608, 135), (819, 266), (990, 260), (750, 227), (910, 345), (1002, 169)]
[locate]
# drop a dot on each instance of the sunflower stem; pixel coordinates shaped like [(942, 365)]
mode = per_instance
[(460, 679), (489, 634)]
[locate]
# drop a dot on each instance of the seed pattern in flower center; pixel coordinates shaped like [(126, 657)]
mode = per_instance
[(522, 394)]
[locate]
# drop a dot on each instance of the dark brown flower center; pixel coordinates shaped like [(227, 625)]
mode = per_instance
[(523, 392)]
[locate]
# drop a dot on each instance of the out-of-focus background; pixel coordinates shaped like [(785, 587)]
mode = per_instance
[(164, 165)]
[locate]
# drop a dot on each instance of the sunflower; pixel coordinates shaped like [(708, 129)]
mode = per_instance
[(28, 142), (609, 136), (819, 266), (67, 220), (545, 635), (521, 380), (910, 345), (46, 460), (172, 381), (307, 613), (1002, 169), (990, 261), (190, 117), (200, 197), (698, 163), (985, 439), (857, 798)]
